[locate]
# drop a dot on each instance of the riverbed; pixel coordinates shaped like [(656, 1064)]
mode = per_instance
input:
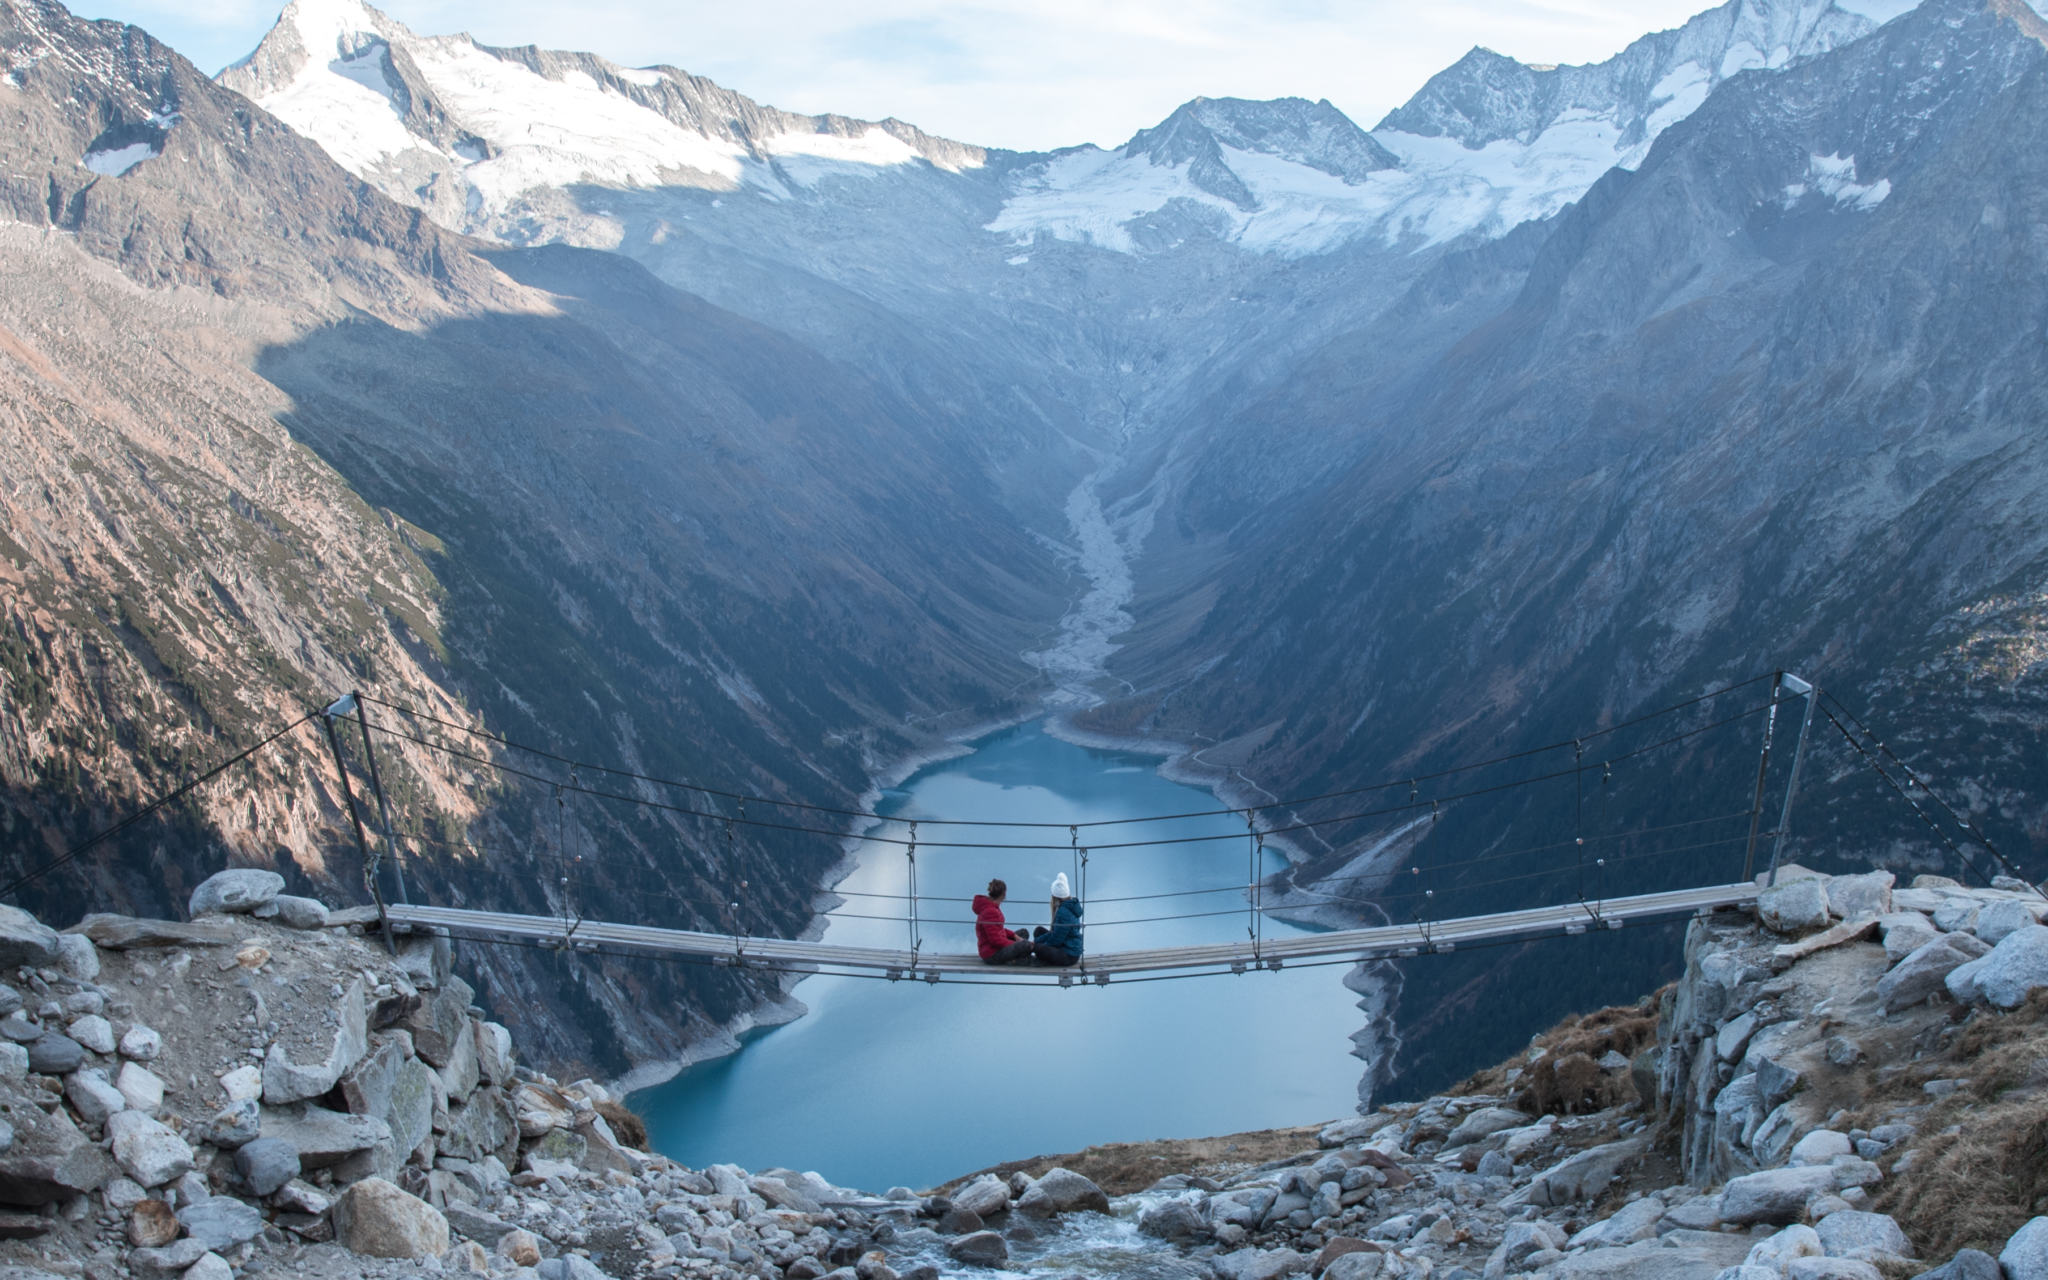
[(907, 1083)]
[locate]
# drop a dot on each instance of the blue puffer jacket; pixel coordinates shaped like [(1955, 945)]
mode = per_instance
[(1066, 927)]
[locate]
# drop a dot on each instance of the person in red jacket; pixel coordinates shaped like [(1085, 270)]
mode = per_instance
[(998, 945)]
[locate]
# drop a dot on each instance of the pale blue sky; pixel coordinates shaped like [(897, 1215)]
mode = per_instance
[(1027, 74)]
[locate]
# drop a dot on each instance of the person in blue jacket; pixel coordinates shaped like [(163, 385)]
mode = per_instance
[(1060, 945)]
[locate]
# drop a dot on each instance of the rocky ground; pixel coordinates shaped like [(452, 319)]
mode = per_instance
[(1849, 1083)]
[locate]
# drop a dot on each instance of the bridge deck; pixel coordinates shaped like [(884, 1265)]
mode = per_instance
[(1380, 942)]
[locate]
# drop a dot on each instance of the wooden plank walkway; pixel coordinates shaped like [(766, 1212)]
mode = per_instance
[(1378, 943)]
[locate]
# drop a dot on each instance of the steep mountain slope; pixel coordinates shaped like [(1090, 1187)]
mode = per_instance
[(271, 436), (1767, 401)]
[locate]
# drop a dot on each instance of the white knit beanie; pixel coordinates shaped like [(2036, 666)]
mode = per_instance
[(1059, 886)]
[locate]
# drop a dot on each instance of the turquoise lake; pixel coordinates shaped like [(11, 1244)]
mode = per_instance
[(905, 1083)]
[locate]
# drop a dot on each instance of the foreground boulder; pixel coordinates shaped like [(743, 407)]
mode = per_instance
[(1062, 1191), (376, 1218), (237, 891)]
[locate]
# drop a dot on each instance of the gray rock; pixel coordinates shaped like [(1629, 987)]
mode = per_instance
[(1999, 919), (211, 1266), (336, 1047), (1777, 1251), (1632, 1222), (981, 1249), (494, 1058), (231, 1126), (427, 958), (300, 913), (1733, 1038), (55, 1055), (141, 1044), (170, 1260), (1327, 1202), (77, 957), (440, 1021), (1697, 1259), (1831, 1269), (1519, 1241), (1484, 1123), (221, 1222), (1850, 1233), (20, 1028), (1582, 1177), (1773, 1196), (1794, 906), (13, 1061), (1356, 1266), (376, 1218), (25, 940), (1820, 1146), (50, 1159), (1961, 982), (2016, 966), (1968, 1264), (323, 1137), (1259, 1264), (1859, 896), (1062, 1191), (959, 1222), (2025, 1256), (10, 1000), (1174, 1220), (140, 1087), (125, 933), (986, 1196), (148, 1151), (1494, 1164), (484, 1126), (1745, 1271), (573, 1266), (1244, 1207), (93, 1096), (94, 1032), (393, 1088), (266, 1164), (1775, 1080), (472, 1223), (1924, 973), (1957, 913), (1904, 933), (461, 1075), (236, 891)]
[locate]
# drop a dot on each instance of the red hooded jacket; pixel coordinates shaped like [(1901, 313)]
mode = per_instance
[(989, 932)]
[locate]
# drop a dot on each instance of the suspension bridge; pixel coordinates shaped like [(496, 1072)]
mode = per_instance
[(1578, 864)]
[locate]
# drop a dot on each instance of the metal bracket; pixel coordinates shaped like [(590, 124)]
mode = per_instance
[(1066, 979), (931, 976), (1101, 979), (1273, 963), (1237, 966)]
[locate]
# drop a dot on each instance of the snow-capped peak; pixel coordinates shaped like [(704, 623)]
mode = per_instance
[(488, 140)]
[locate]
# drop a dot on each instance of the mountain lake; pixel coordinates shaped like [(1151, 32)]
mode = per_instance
[(908, 1083)]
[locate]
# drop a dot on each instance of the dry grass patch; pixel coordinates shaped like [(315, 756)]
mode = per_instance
[(1565, 1077), (626, 1126), (1121, 1168), (1981, 1165)]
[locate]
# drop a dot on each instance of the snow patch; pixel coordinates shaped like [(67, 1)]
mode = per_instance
[(1834, 176), (346, 105), (112, 162), (1883, 11), (644, 77), (808, 158), (1678, 95)]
